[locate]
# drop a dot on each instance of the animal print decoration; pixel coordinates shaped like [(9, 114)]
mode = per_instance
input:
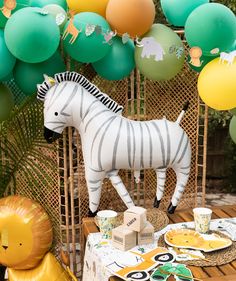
[(111, 142)]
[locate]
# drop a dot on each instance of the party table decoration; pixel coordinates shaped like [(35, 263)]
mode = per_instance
[(31, 35), (190, 239), (110, 141)]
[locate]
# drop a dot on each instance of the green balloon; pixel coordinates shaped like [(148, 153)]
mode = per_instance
[(90, 48), (232, 129), (119, 61), (177, 11), (7, 60), (58, 13), (42, 3), (211, 26), (6, 102), (160, 53), (233, 111), (19, 5), (32, 36), (204, 61), (28, 75)]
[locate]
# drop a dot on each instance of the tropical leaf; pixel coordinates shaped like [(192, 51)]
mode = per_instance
[(23, 150)]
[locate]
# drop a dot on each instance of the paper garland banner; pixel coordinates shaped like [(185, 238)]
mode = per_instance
[(8, 6)]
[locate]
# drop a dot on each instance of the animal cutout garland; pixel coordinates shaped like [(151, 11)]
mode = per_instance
[(71, 29), (111, 142), (7, 8)]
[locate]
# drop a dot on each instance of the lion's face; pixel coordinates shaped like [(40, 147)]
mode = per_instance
[(25, 232), (16, 240)]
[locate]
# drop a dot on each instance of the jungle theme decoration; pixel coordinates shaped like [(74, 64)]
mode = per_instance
[(104, 33), (26, 237), (142, 265), (179, 271), (110, 141)]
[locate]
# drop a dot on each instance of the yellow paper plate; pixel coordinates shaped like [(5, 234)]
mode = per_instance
[(190, 239)]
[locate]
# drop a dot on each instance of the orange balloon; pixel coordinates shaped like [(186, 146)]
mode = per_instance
[(95, 6), (134, 17)]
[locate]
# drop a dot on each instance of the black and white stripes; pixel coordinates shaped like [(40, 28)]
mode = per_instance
[(81, 80)]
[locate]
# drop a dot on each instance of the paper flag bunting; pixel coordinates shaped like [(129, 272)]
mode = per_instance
[(98, 29), (8, 6), (89, 30), (125, 38), (60, 18)]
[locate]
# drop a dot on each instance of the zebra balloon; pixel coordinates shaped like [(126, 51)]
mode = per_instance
[(110, 141)]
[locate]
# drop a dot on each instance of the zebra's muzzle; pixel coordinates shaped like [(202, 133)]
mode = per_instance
[(50, 136)]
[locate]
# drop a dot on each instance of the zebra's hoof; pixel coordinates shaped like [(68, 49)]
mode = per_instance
[(91, 214), (171, 209), (156, 203)]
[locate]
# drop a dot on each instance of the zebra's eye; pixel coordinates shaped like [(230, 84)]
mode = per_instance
[(56, 113)]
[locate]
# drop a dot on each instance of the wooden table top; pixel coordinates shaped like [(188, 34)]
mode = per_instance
[(225, 272)]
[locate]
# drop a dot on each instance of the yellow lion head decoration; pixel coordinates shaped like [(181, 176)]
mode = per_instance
[(25, 232)]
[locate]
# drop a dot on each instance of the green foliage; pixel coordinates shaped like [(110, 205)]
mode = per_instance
[(218, 119), (21, 146)]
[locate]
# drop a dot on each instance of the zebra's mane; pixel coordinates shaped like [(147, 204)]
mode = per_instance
[(84, 82)]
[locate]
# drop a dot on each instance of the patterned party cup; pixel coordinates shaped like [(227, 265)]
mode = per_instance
[(106, 221), (202, 219)]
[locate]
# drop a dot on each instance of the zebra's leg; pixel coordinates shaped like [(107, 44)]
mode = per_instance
[(120, 188), (161, 178), (94, 184), (182, 175)]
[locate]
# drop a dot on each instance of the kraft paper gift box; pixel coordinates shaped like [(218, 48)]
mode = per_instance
[(135, 218), (123, 238), (146, 235)]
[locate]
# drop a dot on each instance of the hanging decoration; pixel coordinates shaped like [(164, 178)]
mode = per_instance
[(227, 57), (7, 8), (108, 37), (125, 38), (150, 47), (71, 30), (89, 30), (195, 55)]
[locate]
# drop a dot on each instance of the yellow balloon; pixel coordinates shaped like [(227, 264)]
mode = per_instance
[(95, 6), (217, 84)]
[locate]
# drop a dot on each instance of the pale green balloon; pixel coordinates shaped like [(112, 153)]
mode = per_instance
[(159, 55), (58, 13), (232, 129)]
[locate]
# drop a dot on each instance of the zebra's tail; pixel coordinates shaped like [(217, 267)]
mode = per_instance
[(186, 105)]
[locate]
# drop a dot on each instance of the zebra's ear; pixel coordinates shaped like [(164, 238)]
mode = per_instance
[(49, 80)]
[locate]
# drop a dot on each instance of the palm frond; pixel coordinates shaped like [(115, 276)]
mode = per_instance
[(23, 150)]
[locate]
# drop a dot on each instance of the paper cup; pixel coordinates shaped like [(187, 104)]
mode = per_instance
[(106, 221), (202, 219)]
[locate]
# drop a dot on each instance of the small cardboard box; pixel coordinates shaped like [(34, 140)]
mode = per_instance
[(135, 218), (146, 235), (123, 238)]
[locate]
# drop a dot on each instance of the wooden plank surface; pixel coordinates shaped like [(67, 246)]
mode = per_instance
[(225, 272)]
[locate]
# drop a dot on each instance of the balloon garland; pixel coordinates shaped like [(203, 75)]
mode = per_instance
[(101, 33)]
